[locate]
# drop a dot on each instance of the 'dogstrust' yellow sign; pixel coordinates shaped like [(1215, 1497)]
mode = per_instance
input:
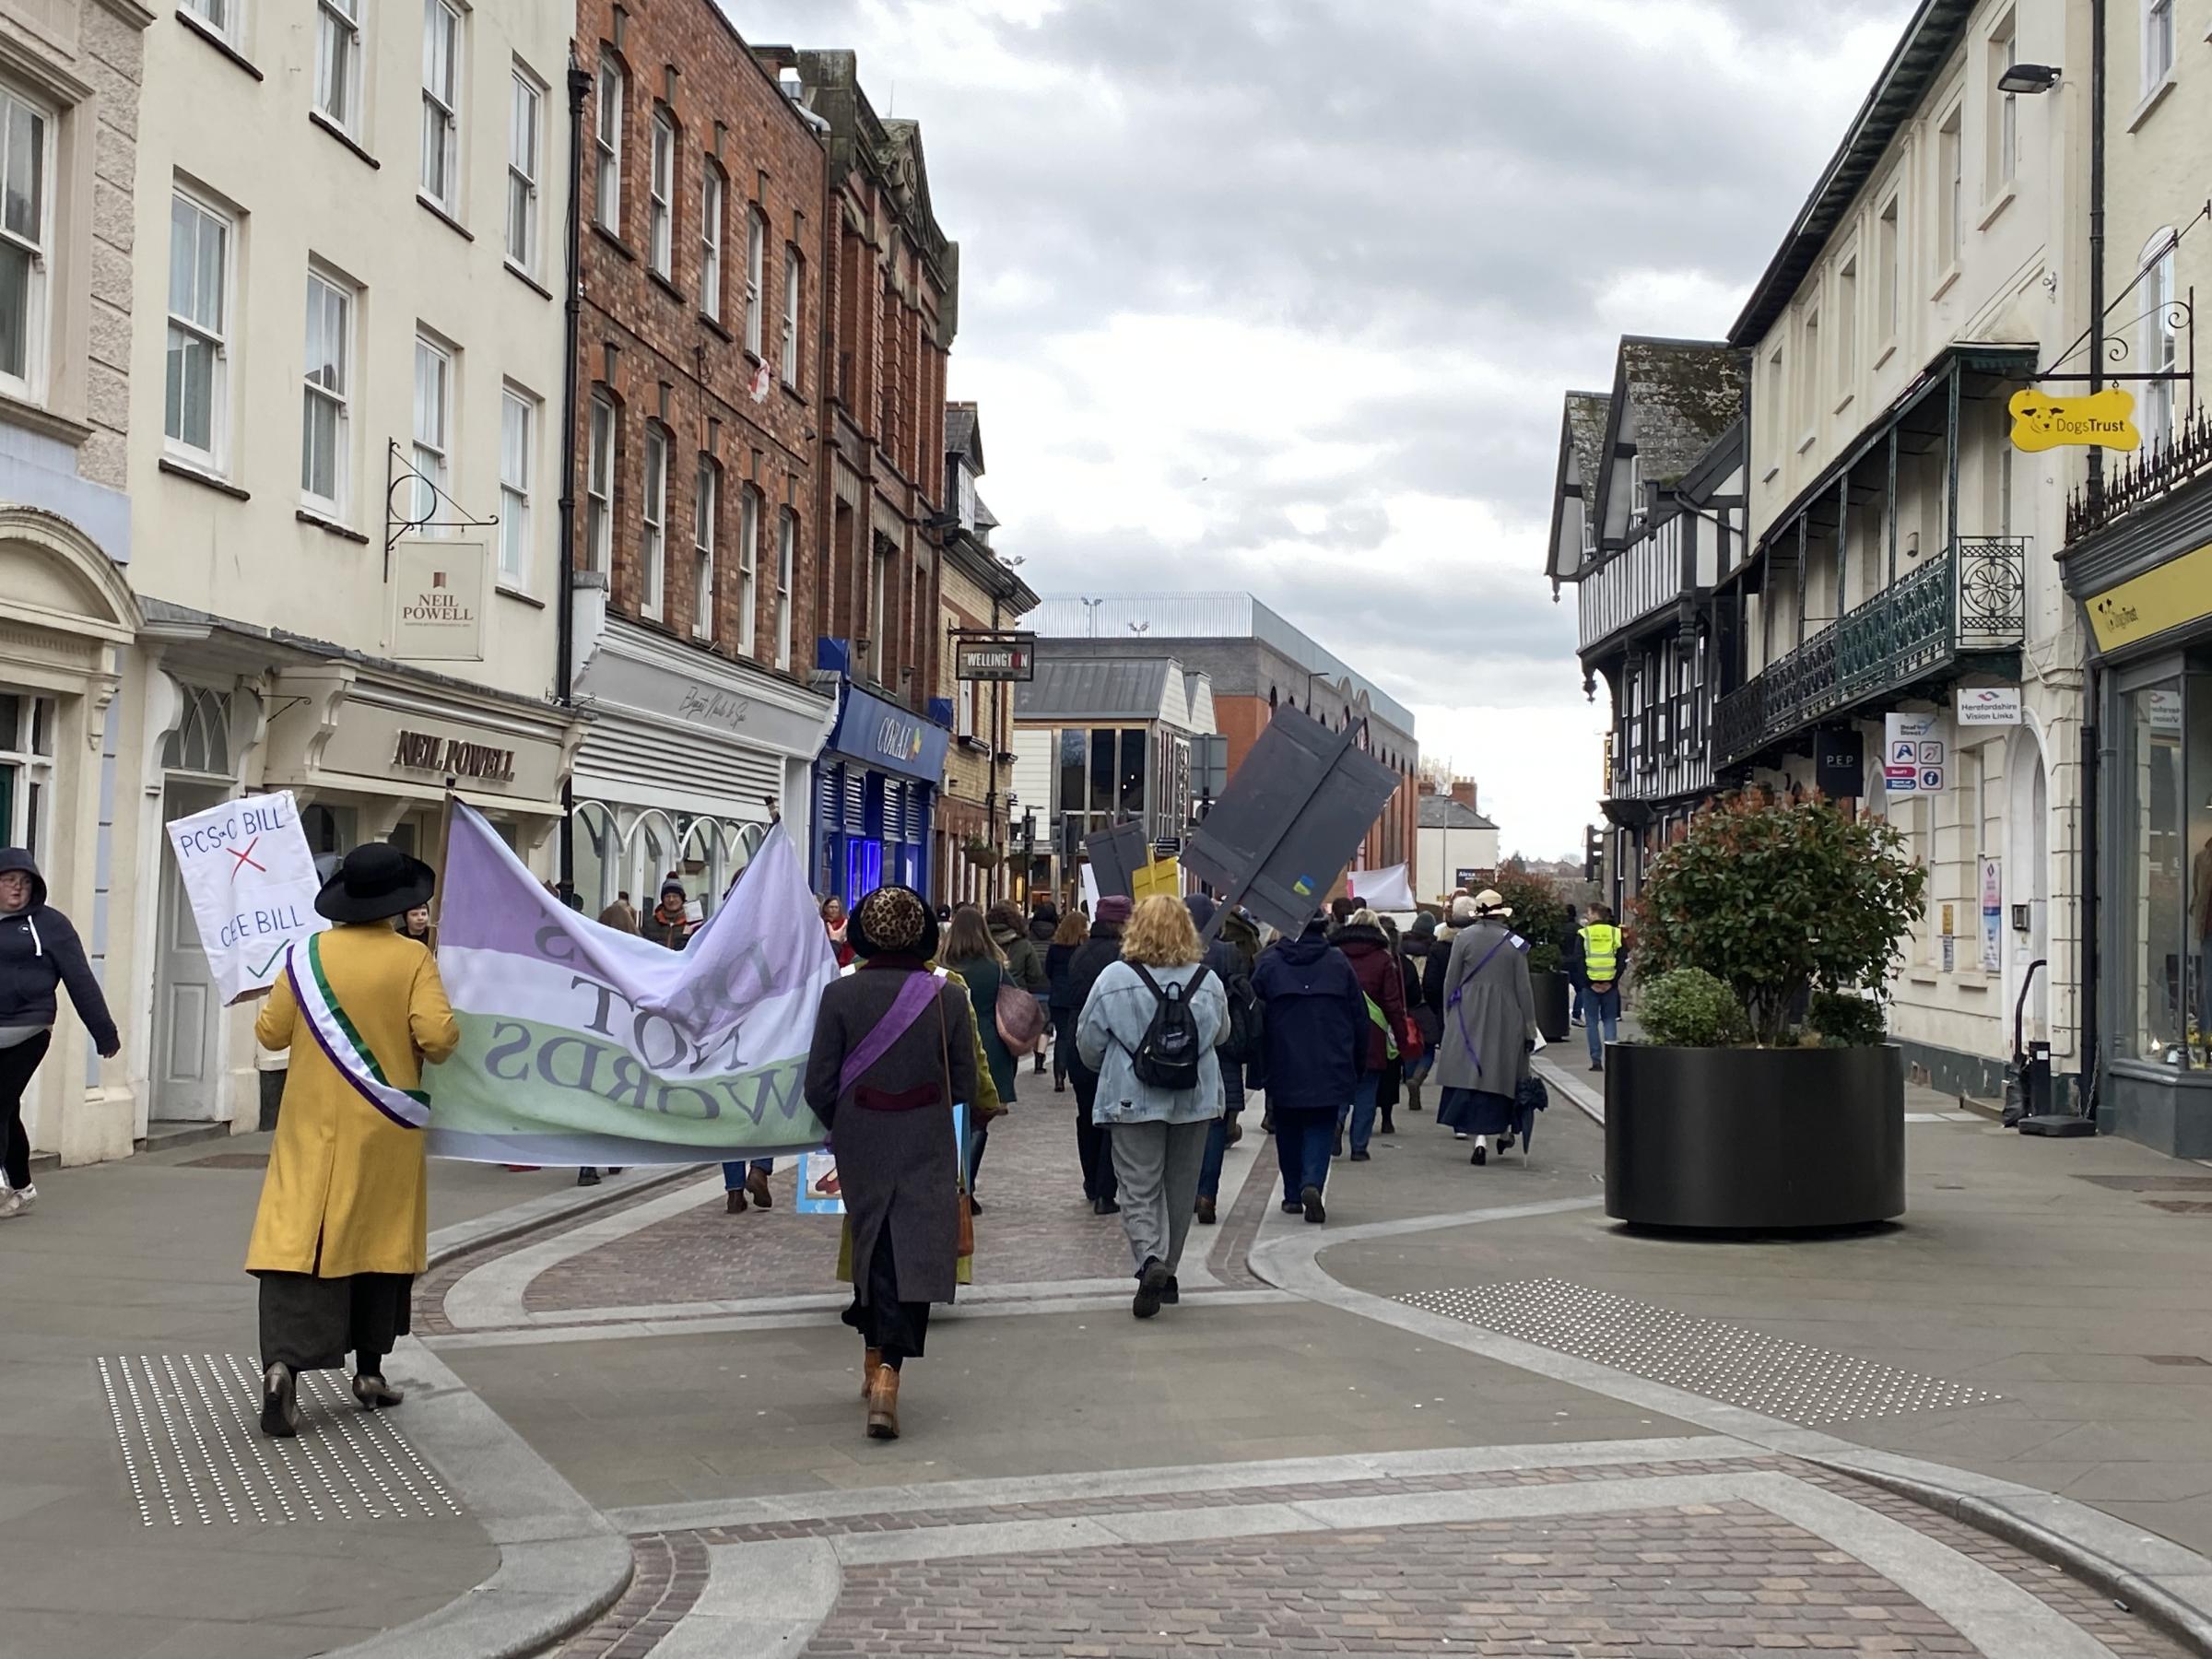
[(2098, 421), (2177, 591)]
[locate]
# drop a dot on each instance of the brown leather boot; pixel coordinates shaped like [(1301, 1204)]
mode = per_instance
[(883, 1406), (870, 1363)]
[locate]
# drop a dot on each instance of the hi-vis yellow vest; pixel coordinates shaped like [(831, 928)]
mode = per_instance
[(1601, 953)]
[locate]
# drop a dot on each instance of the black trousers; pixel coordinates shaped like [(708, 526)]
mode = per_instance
[(306, 1324), (1063, 1042), (1091, 1150), (17, 1064), (896, 1329)]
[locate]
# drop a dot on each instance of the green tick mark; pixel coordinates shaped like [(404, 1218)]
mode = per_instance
[(273, 955)]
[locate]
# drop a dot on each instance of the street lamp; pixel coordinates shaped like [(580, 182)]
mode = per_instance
[(2029, 78)]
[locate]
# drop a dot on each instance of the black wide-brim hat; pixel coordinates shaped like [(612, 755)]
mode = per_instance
[(375, 881), (893, 921)]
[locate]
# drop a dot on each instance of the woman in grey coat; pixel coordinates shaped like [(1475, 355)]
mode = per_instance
[(1490, 1022), (1158, 1140), (894, 1051)]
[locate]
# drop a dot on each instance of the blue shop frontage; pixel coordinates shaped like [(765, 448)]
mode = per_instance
[(875, 784)]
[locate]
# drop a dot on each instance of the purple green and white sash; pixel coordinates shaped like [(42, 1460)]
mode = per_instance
[(342, 1044)]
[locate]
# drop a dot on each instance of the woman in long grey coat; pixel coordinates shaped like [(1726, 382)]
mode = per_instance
[(1490, 1019), (894, 1051)]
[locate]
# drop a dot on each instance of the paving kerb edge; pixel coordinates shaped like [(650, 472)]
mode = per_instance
[(1290, 1261), (505, 1226)]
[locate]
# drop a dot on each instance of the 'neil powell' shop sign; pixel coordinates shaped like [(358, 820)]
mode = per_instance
[(246, 867)]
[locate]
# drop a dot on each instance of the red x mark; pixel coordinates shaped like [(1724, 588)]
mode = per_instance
[(245, 858)]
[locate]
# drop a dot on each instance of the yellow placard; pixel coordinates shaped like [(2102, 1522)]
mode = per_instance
[(2041, 421), (2179, 591), (1161, 875)]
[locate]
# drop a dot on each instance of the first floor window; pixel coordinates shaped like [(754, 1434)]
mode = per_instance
[(338, 62), (660, 199), (199, 285), (433, 423), (606, 148), (749, 569), (795, 288), (599, 490), (707, 503), (26, 163), (787, 555), (27, 739), (526, 99), (518, 442), (653, 552), (441, 104), (711, 191), (327, 393)]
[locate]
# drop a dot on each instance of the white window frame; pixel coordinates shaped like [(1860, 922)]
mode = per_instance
[(230, 27), (214, 457), (787, 555), (35, 249), (755, 257), (706, 509), (794, 306), (442, 112), (1847, 328), (713, 198), (660, 198), (1889, 273), (2161, 341), (748, 570), (1950, 191), (433, 449), (1809, 375), (2159, 26), (2004, 160), (518, 471), (607, 141), (337, 397), (526, 160), (339, 33), (599, 488), (653, 518)]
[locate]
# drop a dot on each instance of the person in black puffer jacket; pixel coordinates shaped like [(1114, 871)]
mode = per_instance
[(1228, 966), (1092, 958), (1059, 959), (39, 953)]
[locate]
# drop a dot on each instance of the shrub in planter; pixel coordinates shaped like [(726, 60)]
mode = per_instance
[(1686, 1008), (1764, 907)]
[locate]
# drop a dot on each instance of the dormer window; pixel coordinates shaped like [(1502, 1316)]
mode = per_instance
[(1636, 509)]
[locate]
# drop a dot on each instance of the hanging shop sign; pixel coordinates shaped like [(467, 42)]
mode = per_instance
[(1989, 705), (1915, 755), (997, 657), (1839, 764), (2176, 593), (2099, 420), (882, 734), (438, 602)]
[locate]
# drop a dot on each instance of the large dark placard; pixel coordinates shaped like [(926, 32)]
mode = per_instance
[(1839, 764), (1116, 855), (1290, 820)]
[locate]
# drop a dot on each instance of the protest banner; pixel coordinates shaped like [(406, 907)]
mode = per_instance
[(246, 867), (1382, 889), (583, 1045)]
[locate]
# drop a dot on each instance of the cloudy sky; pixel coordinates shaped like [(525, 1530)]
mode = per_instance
[(1281, 295)]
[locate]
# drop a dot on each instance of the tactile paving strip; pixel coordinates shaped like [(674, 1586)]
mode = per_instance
[(193, 1452), (1730, 1363)]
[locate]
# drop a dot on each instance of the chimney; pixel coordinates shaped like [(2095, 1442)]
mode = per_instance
[(1462, 791)]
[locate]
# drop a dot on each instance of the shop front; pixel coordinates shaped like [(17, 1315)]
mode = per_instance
[(2146, 590), (875, 788), (689, 759)]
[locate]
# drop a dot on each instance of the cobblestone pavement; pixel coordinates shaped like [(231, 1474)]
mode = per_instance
[(1698, 1579)]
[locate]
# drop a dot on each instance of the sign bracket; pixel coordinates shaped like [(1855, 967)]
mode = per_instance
[(400, 473)]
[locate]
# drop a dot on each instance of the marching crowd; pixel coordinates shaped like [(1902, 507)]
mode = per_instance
[(1162, 1015)]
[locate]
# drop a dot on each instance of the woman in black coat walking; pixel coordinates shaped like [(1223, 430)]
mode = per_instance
[(1059, 961), (38, 954), (1092, 958)]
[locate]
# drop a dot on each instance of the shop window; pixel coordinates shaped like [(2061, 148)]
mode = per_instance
[(2165, 853), (1133, 774), (597, 852), (331, 830), (1101, 773), (1075, 749)]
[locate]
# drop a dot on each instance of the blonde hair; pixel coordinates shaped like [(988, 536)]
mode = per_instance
[(1363, 918), (1162, 934)]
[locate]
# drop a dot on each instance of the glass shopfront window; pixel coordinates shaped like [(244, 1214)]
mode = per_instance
[(2165, 855)]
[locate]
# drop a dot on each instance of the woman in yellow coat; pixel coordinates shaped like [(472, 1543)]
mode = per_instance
[(343, 1226)]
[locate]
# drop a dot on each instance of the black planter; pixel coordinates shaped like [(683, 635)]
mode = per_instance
[(1553, 991), (1754, 1138)]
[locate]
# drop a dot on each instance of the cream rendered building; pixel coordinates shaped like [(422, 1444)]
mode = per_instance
[(69, 79), (1900, 550), (350, 230)]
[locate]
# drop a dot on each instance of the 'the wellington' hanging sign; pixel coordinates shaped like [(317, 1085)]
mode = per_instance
[(2099, 420)]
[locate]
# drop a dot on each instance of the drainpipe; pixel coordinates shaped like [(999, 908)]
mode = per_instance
[(2092, 691), (564, 608)]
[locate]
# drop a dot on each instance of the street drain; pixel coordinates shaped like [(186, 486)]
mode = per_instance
[(1730, 1363), (193, 1455)]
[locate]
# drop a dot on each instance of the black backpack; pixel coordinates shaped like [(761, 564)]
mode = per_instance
[(1171, 1052), (1247, 1022)]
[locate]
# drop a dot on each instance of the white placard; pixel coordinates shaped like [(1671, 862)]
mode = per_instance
[(1382, 889), (1989, 705), (437, 601), (246, 867)]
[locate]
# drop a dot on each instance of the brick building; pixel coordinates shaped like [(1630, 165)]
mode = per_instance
[(979, 591), (893, 289), (698, 438)]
